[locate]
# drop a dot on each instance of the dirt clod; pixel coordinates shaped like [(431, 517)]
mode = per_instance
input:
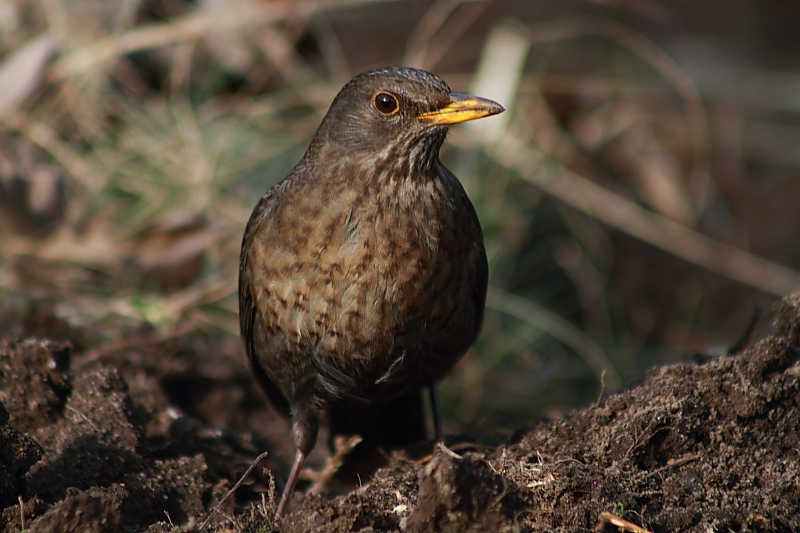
[(93, 511), (18, 451), (34, 382), (466, 494)]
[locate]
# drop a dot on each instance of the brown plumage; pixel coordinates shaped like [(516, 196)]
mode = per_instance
[(363, 273)]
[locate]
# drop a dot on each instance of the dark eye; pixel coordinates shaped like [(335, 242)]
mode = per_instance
[(386, 103)]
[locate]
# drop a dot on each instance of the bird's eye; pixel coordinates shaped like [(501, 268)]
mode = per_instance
[(386, 103)]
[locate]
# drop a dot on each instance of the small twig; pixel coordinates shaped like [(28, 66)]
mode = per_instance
[(465, 446), (645, 437), (21, 513), (342, 446), (447, 451), (624, 525), (568, 460), (85, 418), (602, 388), (674, 464), (451, 450), (233, 489)]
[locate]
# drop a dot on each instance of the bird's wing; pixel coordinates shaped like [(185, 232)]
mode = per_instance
[(247, 309), (479, 292)]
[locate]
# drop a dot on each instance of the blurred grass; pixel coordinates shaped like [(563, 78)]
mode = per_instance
[(135, 143)]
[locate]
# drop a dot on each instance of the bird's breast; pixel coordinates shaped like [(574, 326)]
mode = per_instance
[(356, 277)]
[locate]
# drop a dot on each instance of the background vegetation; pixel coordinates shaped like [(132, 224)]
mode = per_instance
[(639, 198)]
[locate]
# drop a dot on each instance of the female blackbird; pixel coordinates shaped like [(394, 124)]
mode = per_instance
[(363, 274)]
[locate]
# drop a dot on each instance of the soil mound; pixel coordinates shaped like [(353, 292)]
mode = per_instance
[(148, 434)]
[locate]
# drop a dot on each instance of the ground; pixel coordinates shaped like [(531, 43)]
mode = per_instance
[(147, 434)]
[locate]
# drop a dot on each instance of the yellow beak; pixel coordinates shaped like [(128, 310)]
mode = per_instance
[(462, 107)]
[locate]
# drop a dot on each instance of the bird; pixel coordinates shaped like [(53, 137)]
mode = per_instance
[(363, 273)]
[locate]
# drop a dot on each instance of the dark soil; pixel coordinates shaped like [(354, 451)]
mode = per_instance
[(147, 434)]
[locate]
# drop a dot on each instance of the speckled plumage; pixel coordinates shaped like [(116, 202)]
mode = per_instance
[(363, 273)]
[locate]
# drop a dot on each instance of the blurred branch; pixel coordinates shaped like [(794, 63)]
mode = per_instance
[(163, 312), (558, 327), (189, 27), (286, 60), (500, 69), (423, 33), (424, 50), (641, 223), (21, 69), (746, 85), (700, 139), (331, 49), (47, 139), (451, 32)]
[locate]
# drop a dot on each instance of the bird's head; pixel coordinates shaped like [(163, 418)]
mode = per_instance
[(397, 113)]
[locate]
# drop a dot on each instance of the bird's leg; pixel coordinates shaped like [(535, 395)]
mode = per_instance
[(294, 475), (305, 425), (437, 415), (437, 424)]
